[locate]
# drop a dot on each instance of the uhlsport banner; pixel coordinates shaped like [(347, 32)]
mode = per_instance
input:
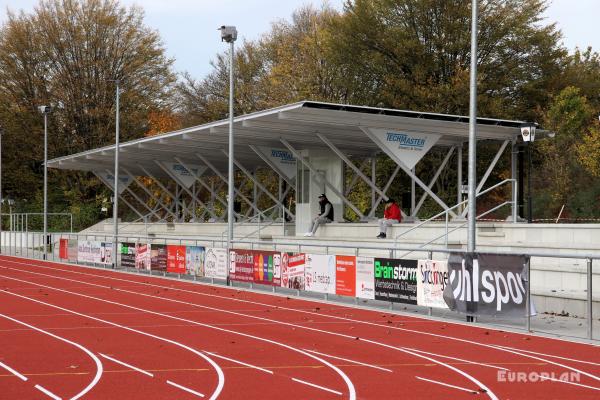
[(292, 270), (215, 263), (183, 174), (395, 280), (487, 284), (124, 180), (408, 147), (432, 279), (320, 273), (282, 158), (365, 277)]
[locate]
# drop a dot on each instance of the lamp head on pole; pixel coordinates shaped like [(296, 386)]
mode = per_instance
[(45, 109), (528, 132), (228, 33)]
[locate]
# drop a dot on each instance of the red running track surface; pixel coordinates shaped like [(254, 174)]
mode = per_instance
[(71, 332)]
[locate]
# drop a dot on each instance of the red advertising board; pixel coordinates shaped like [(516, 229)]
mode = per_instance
[(242, 265), (345, 275), (63, 251), (267, 267), (292, 270), (176, 259)]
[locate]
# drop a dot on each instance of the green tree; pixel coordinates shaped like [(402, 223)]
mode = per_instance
[(68, 54)]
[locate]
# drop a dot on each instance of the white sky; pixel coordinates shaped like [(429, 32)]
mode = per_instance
[(189, 27)]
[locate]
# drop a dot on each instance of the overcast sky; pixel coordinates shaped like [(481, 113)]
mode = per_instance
[(188, 27)]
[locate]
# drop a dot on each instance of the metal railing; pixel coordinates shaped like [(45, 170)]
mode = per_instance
[(21, 221), (30, 245), (446, 213)]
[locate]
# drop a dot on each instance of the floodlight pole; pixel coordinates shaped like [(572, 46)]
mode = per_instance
[(229, 35), (1, 132), (472, 213), (45, 244), (116, 185)]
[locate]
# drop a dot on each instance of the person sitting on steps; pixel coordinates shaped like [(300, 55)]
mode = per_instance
[(324, 217), (391, 216)]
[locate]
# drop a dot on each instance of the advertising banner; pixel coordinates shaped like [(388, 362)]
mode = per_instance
[(365, 277), (432, 279), (182, 174), (142, 256), (319, 273), (345, 275), (487, 284), (194, 260), (409, 147), (127, 251), (267, 267), (242, 265), (282, 158), (91, 251), (176, 259), (72, 251), (292, 270), (215, 263), (63, 249), (396, 280), (158, 257)]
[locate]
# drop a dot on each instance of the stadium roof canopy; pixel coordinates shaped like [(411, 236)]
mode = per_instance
[(303, 125)]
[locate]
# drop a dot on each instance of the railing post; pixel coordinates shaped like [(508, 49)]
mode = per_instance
[(446, 241), (528, 297), (590, 303)]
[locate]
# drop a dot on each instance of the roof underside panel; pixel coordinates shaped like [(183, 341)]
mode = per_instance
[(299, 124)]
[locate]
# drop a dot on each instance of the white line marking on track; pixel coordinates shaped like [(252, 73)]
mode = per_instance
[(317, 386), (563, 381), (47, 392), (96, 360), (448, 385), (220, 375), (127, 365), (12, 371), (550, 355), (349, 384), (350, 361), (459, 359), (239, 362), (185, 388)]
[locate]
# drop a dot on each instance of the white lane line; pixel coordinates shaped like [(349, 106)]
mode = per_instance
[(459, 359), (239, 362), (563, 381), (185, 389), (350, 361), (96, 360), (349, 384), (127, 365), (550, 355), (448, 385), (317, 386), (12, 371), (221, 377), (296, 310), (47, 392)]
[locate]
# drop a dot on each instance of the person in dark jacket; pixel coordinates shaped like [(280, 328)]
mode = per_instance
[(324, 217)]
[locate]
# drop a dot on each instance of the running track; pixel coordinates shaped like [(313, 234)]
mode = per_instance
[(70, 332)]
